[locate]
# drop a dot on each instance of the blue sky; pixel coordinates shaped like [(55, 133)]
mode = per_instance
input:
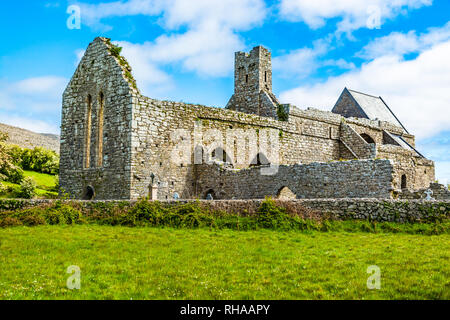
[(183, 50)]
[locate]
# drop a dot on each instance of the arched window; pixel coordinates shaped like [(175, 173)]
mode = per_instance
[(87, 133), (367, 138), (403, 182), (260, 160), (100, 130)]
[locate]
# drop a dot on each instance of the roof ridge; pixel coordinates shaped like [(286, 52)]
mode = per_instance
[(366, 94)]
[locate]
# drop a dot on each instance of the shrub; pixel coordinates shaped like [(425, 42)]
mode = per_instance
[(37, 159), (33, 220), (272, 216), (40, 160), (27, 188), (62, 214), (13, 173), (11, 204), (115, 50), (10, 222), (282, 113), (144, 212)]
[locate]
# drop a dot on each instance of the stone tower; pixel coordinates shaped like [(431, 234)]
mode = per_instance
[(253, 84)]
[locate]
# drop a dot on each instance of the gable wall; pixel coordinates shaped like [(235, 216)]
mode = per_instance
[(98, 72)]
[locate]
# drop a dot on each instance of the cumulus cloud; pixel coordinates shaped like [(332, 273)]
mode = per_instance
[(301, 63), (149, 77), (38, 94), (398, 43), (34, 98), (353, 14), (206, 44), (416, 90), (92, 14)]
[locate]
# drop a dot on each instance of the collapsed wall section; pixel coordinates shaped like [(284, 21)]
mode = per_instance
[(340, 179)]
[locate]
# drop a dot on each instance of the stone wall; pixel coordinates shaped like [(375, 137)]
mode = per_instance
[(347, 106), (419, 172), (342, 209), (341, 179), (93, 154), (439, 192), (355, 144), (142, 136)]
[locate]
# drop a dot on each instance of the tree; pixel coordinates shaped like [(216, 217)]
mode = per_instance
[(5, 159), (8, 170)]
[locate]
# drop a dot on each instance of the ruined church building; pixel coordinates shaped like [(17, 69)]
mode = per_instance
[(118, 144)]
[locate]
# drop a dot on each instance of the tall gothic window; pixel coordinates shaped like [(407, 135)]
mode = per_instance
[(87, 140), (100, 130)]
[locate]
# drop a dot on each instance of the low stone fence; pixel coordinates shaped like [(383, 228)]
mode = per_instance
[(438, 192), (342, 209)]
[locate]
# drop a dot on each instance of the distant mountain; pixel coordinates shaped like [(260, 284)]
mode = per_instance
[(29, 139)]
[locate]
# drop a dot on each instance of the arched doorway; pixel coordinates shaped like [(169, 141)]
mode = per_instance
[(285, 194), (210, 195), (89, 193)]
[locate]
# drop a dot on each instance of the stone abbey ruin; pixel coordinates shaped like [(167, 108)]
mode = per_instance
[(118, 144)]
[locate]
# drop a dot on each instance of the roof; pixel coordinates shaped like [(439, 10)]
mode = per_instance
[(375, 108), (402, 143)]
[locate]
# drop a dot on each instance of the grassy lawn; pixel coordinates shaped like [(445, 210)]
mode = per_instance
[(152, 263), (45, 182)]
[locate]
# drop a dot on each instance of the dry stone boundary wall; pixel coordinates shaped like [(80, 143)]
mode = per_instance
[(341, 209)]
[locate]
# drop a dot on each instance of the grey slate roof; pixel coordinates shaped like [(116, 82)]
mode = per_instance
[(402, 143), (375, 108)]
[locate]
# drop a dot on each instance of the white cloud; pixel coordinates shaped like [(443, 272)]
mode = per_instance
[(38, 94), (443, 172), (301, 63), (92, 14), (416, 90), (79, 53), (151, 80), (24, 101), (398, 43), (354, 14), (207, 45)]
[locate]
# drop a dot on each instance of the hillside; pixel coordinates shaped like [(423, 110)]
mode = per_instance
[(28, 139)]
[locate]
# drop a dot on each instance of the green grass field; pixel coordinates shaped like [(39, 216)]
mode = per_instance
[(155, 263), (44, 182)]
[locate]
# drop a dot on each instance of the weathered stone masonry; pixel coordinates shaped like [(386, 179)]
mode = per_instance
[(341, 209), (116, 154)]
